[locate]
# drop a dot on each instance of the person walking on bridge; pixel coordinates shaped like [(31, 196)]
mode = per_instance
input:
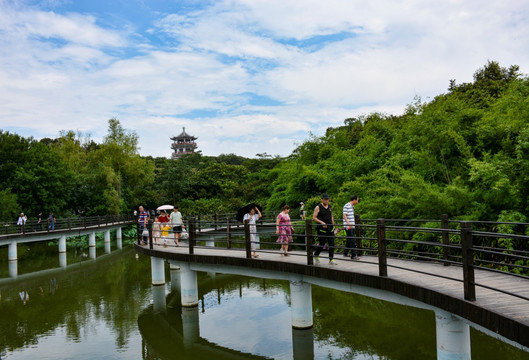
[(325, 229), (22, 222), (178, 225), (38, 227), (284, 229), (51, 221), (349, 225), (252, 218), (143, 220)]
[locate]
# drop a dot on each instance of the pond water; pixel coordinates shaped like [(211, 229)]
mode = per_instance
[(106, 309)]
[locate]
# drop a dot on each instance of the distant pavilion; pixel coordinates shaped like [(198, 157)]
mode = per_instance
[(183, 144)]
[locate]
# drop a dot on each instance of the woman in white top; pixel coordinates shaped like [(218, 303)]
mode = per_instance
[(252, 218)]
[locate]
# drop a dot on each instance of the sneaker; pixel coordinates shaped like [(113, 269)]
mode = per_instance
[(317, 260), (355, 258), (332, 262)]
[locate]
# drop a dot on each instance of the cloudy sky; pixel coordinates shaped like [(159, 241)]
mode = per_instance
[(245, 76)]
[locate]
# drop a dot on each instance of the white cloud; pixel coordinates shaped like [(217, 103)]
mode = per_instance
[(319, 62)]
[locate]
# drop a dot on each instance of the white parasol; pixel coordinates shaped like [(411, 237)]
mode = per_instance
[(165, 207)]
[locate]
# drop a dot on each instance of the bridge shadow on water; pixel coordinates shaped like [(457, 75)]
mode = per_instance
[(360, 326)]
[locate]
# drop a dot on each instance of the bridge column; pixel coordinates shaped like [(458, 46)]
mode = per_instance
[(188, 284), (62, 244), (175, 277), (119, 238), (301, 303), (92, 245), (211, 241), (157, 271), (190, 326), (62, 260), (13, 268), (107, 241), (453, 337), (158, 298), (12, 251)]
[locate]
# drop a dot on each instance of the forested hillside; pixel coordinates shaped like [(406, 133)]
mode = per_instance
[(464, 153)]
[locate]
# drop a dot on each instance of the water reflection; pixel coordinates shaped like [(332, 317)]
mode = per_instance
[(108, 309)]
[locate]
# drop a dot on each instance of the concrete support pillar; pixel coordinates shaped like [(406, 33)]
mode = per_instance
[(92, 245), (92, 252), (189, 287), (13, 268), (107, 241), (12, 251), (301, 303), (303, 344), (175, 277), (92, 239), (158, 271), (453, 337), (62, 244), (119, 238), (210, 241), (62, 260), (158, 298), (190, 326)]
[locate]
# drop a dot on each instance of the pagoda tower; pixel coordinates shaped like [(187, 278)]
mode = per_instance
[(183, 144)]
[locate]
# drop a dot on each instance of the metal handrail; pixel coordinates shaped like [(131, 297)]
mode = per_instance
[(32, 225), (455, 246)]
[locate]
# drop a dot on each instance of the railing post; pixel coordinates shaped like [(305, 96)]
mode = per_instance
[(358, 235), (215, 219), (199, 223), (69, 224), (247, 238), (445, 238), (98, 221), (308, 241), (228, 234), (468, 261), (149, 226), (192, 235), (382, 259)]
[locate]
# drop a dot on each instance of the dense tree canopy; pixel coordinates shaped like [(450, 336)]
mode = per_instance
[(465, 154)]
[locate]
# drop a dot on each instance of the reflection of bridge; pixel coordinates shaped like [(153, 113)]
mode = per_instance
[(66, 228), (456, 276), (167, 325)]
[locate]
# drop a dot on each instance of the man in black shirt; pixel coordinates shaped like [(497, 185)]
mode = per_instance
[(325, 229)]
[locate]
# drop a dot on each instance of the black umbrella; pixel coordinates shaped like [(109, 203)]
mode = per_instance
[(246, 209)]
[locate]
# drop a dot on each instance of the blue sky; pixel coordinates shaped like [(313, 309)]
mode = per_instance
[(245, 76)]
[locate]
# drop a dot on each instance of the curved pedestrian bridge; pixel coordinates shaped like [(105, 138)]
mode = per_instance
[(493, 301)]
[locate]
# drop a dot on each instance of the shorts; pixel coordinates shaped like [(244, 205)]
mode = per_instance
[(177, 229)]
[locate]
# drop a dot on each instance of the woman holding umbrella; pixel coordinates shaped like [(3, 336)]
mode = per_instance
[(284, 229), (252, 218)]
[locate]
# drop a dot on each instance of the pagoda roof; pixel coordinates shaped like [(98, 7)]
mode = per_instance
[(184, 135)]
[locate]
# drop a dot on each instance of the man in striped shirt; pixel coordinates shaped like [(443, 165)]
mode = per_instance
[(143, 220), (349, 225)]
